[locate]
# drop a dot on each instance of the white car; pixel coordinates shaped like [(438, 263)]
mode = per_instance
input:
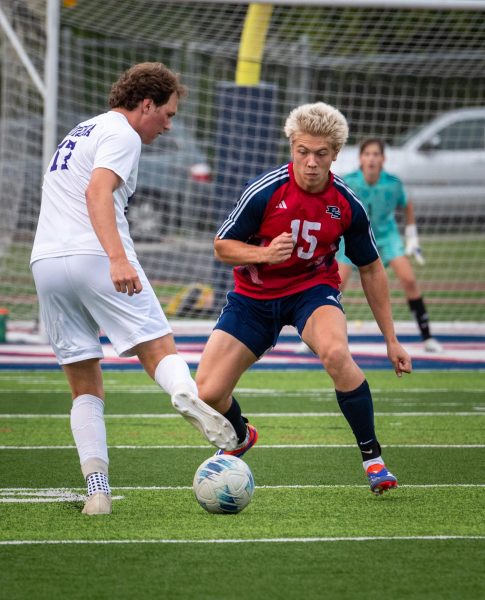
[(441, 163)]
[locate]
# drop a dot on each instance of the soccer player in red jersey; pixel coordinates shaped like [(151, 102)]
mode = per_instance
[(281, 238)]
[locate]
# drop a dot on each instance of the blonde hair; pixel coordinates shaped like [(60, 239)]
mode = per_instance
[(318, 119)]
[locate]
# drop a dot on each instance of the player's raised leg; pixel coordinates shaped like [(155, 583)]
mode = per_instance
[(161, 361), (140, 328)]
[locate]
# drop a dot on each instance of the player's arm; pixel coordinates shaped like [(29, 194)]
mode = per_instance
[(242, 224), (235, 252), (376, 288), (411, 234), (101, 209)]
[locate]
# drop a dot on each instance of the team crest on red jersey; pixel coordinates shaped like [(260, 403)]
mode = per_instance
[(334, 211)]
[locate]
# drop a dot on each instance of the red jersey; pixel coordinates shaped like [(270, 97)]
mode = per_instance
[(274, 203)]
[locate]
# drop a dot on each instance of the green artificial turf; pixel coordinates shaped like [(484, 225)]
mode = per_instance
[(313, 530)]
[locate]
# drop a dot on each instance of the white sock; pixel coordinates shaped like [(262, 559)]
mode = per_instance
[(172, 374), (89, 432), (98, 482), (373, 461)]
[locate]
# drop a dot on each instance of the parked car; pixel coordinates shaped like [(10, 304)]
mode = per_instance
[(441, 163), (174, 185)]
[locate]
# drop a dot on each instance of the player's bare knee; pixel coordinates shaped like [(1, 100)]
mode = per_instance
[(410, 287), (209, 394), (334, 357), (209, 391), (85, 377), (81, 390)]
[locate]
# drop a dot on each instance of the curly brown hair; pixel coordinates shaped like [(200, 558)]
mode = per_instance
[(151, 80)]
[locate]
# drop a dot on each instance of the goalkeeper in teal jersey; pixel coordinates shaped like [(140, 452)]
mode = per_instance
[(382, 194)]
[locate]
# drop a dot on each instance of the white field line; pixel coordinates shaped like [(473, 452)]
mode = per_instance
[(251, 540), (262, 446), (50, 495), (78, 498), (317, 486), (249, 414), (178, 488), (153, 389)]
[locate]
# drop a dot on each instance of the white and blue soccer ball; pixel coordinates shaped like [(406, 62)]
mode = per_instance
[(223, 484)]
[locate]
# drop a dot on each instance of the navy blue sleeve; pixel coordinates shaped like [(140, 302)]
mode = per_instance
[(360, 244), (245, 219)]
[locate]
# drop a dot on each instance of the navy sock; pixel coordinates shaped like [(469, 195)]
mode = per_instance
[(233, 415), (418, 308), (357, 408)]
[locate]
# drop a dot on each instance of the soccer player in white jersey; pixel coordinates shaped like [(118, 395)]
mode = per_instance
[(88, 277)]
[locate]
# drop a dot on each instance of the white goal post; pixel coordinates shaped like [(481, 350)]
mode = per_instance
[(393, 67)]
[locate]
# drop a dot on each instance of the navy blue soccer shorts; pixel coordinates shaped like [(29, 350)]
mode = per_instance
[(257, 323)]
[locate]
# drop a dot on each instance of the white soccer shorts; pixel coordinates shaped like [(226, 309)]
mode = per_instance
[(77, 298)]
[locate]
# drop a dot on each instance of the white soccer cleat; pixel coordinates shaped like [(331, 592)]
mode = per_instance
[(432, 346), (213, 426), (302, 348), (98, 504)]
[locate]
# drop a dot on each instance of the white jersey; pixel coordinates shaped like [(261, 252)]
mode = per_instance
[(64, 226)]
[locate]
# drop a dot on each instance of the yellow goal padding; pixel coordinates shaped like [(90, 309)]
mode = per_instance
[(252, 43)]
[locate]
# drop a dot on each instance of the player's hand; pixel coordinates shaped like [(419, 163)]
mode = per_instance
[(280, 249), (413, 247), (400, 359), (125, 277)]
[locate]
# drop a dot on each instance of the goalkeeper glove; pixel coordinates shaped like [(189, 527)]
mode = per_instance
[(412, 244)]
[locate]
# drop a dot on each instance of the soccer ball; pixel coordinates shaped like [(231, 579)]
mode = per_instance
[(223, 484)]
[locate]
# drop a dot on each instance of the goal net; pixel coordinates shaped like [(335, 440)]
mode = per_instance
[(391, 71)]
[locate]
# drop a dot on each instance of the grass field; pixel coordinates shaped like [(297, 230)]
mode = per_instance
[(313, 529)]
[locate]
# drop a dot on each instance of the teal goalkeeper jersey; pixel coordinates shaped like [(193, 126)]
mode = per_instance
[(380, 201)]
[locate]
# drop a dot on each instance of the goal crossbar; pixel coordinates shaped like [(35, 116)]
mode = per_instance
[(393, 4)]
